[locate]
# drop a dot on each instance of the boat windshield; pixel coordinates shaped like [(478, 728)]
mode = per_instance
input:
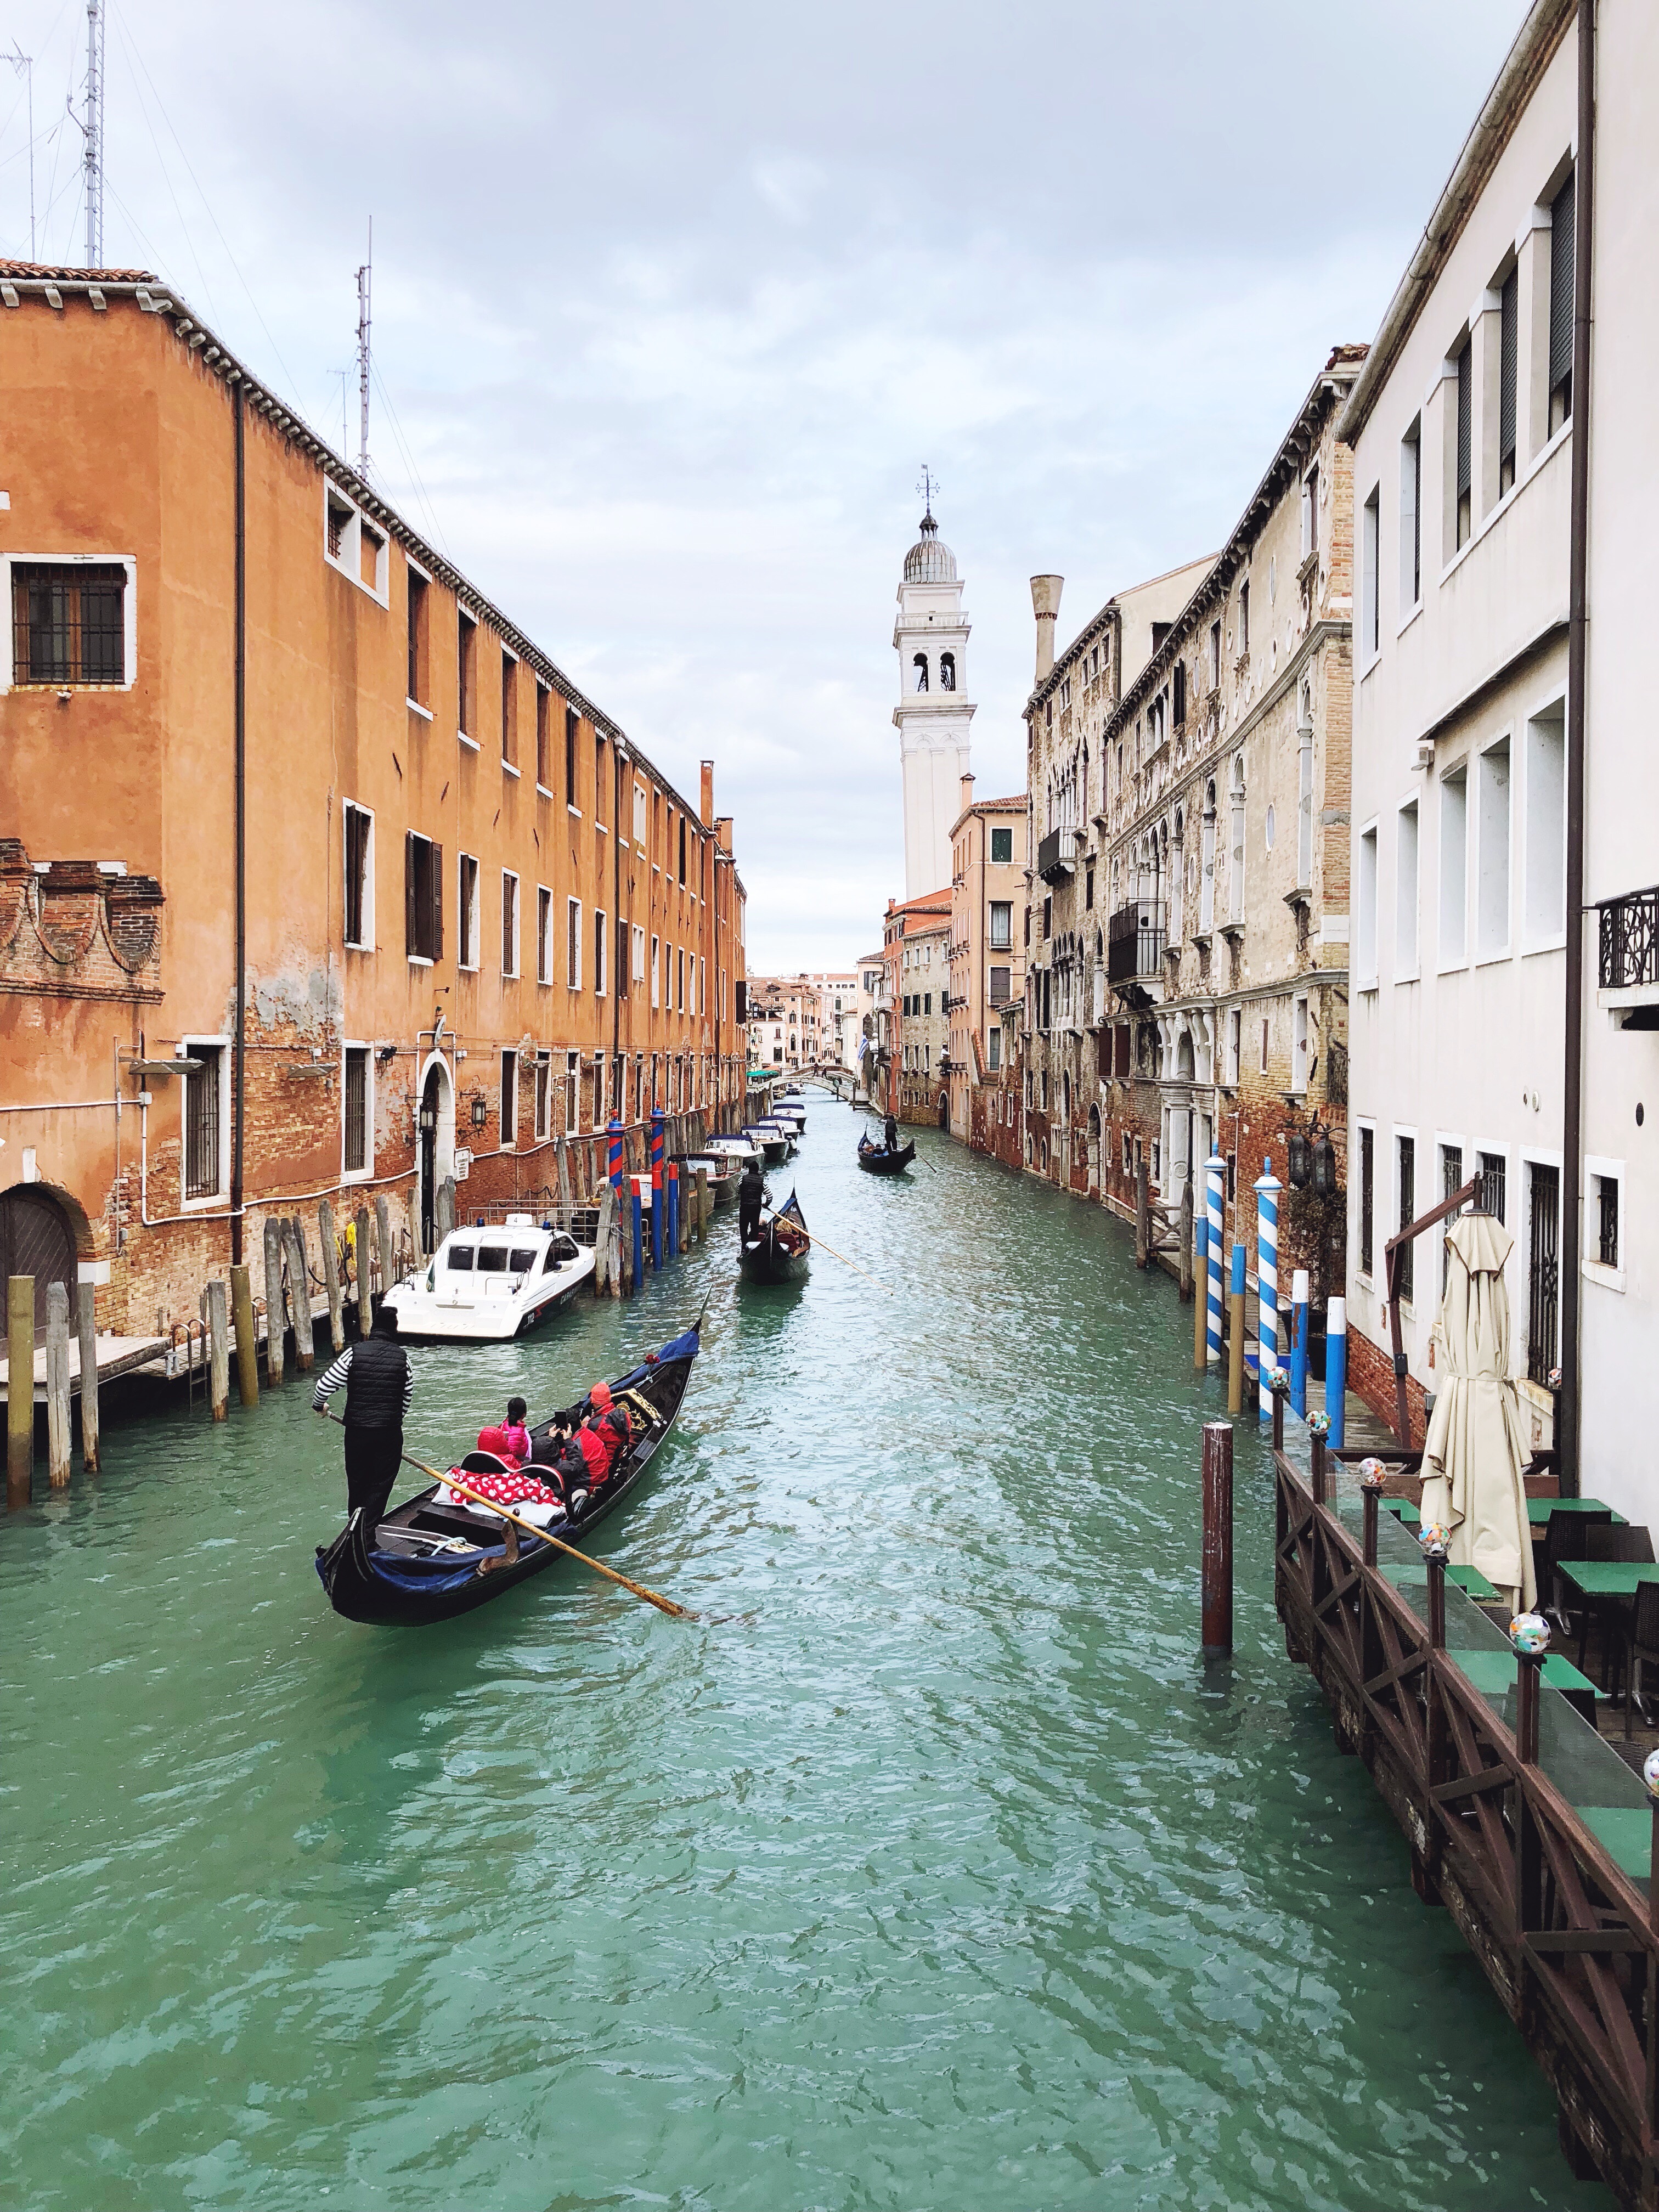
[(492, 1258), (459, 1257), (523, 1260)]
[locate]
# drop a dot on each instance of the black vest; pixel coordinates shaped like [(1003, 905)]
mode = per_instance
[(374, 1384)]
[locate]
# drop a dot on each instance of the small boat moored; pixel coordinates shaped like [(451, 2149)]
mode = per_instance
[(738, 1149), (875, 1159), (483, 1285), (773, 1140), (721, 1168), (780, 1248)]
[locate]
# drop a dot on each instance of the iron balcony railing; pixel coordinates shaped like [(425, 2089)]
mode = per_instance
[(1134, 941), (1056, 855), (1630, 940)]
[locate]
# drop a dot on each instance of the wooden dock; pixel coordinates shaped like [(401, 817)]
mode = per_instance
[(172, 1358), (1550, 1896)]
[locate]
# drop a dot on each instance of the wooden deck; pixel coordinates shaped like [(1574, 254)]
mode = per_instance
[(169, 1359), (1543, 1867)]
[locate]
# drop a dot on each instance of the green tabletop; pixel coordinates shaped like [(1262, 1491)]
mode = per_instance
[(1626, 1833), (1492, 1674), (1469, 1579), (1539, 1509), (1609, 1577), (1403, 1512)]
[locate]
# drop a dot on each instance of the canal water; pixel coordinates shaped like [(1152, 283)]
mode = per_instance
[(934, 1872)]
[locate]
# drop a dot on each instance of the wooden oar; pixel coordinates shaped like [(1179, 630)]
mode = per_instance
[(662, 1604), (816, 1243)]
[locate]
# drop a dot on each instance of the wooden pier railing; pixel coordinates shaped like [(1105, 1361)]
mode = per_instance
[(1564, 1936)]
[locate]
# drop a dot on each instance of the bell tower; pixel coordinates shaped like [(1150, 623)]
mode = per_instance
[(930, 636)]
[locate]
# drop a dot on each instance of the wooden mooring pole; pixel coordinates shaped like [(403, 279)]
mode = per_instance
[(305, 1334), (57, 1386), (1143, 1215), (89, 1333), (365, 1273), (275, 1317), (330, 1243), (1217, 1628), (218, 1322), (247, 1343), (20, 1388)]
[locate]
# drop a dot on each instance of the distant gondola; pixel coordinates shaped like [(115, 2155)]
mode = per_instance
[(422, 1563), (779, 1251), (875, 1159)]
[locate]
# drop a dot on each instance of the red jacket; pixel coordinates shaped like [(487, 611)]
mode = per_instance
[(591, 1446)]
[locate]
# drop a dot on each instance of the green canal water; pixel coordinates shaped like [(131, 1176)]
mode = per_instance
[(936, 1872)]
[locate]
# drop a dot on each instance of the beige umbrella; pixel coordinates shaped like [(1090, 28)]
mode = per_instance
[(1475, 1455)]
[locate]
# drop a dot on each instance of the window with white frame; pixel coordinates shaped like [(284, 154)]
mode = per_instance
[(543, 935), (509, 922), (509, 1100), (573, 1093), (359, 878), (1463, 452), (656, 971), (1365, 931), (639, 954), (1371, 540), (641, 810), (598, 953), (466, 942), (206, 1115), (572, 944), (357, 1145), (1411, 517), (1454, 867), (71, 623), (1266, 1039), (1405, 889), (1562, 233), (1491, 903), (1604, 1183), (1234, 1045), (1299, 1044), (1546, 893), (544, 1096), (1509, 355)]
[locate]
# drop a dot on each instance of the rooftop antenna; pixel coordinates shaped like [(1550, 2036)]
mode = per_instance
[(24, 65), (92, 127), (927, 487), (365, 279)]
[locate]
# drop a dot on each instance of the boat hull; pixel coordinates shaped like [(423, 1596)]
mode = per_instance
[(875, 1159), (422, 1318)]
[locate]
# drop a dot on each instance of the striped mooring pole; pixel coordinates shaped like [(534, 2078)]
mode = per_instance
[(614, 1133), (1267, 1187), (1336, 1371), (656, 1185), (1299, 1344), (1215, 1187)]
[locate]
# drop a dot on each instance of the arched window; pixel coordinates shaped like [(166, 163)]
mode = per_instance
[(947, 673), (920, 665), (1236, 870)]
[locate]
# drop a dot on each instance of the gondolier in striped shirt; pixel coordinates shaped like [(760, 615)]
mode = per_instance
[(379, 1387)]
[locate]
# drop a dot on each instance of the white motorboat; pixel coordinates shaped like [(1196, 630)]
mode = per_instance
[(773, 1139), (738, 1149), (791, 1111), (486, 1284), (721, 1168)]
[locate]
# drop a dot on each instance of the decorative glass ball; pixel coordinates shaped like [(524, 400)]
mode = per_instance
[(1319, 1425), (1529, 1632), (1435, 1540), (1372, 1473), (1280, 1383), (1651, 1774)]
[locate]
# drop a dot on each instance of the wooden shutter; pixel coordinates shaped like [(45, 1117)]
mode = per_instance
[(1465, 418), (436, 947), (411, 922), (1508, 350), (1563, 227)]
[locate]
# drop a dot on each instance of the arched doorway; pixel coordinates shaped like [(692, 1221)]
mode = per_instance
[(436, 1135), (944, 1109), (1094, 1151), (36, 1239)]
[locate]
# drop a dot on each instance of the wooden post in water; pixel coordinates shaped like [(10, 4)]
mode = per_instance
[(383, 1240), (275, 1312), (57, 1386), (1216, 1630), (1527, 1666), (1184, 1241), (1143, 1214), (88, 1333), (602, 1243), (330, 1243), (305, 1333), (1200, 1300), (702, 1205), (417, 1242), (218, 1322), (365, 1273), (247, 1343), (20, 1388)]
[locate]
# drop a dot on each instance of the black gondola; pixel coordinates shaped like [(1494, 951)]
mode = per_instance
[(422, 1563), (770, 1257), (875, 1159)]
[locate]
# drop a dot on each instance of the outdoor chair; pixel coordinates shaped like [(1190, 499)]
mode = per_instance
[(1642, 1641), (1564, 1535), (1612, 1613)]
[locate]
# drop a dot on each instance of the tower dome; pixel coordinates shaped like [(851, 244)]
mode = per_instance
[(929, 561)]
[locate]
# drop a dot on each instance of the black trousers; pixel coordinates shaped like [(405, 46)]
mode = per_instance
[(748, 1220), (371, 1457)]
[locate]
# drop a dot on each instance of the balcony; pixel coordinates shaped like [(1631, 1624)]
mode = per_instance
[(1134, 942), (1628, 958), (1057, 855)]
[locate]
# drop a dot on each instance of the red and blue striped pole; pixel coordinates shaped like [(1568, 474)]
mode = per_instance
[(656, 1185), (614, 1133)]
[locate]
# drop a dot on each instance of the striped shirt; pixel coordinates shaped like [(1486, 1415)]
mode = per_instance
[(333, 1378)]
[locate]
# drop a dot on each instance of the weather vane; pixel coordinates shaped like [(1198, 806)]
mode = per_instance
[(928, 486)]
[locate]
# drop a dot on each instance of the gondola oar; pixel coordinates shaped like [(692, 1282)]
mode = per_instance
[(816, 1243), (529, 1527)]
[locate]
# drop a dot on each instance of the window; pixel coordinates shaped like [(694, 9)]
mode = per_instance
[(509, 710), (1405, 896), (1406, 1165), (359, 877), (1235, 872), (1451, 1182), (1543, 1269), (423, 897), (682, 852), (639, 954), (1001, 986), (600, 810), (947, 671), (356, 1155), (337, 526), (466, 941), (370, 557), (1463, 518), (1002, 925), (1215, 675), (1305, 806), (1366, 945), (544, 735), (1244, 619), (1454, 868), (1562, 233), (1367, 1199), (418, 588), (926, 1002), (994, 1048), (1299, 1045), (1411, 517), (1492, 884), (466, 638), (509, 1099), (1267, 1033), (69, 622), (572, 723), (544, 1096), (1234, 1045), (1508, 351), (656, 970), (509, 922), (573, 1077), (598, 954), (1604, 1190), (641, 807), (1370, 548), (543, 935), (1310, 512), (1002, 848), (1089, 886), (1546, 850), (204, 1121), (1048, 918), (1494, 1182)]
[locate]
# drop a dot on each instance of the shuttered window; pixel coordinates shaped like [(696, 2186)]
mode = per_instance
[(1563, 229), (1508, 352), (423, 897), (1465, 442), (68, 622)]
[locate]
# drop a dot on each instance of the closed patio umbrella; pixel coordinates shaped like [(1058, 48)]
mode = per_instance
[(1475, 1454)]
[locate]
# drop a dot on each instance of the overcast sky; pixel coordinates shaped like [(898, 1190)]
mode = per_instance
[(672, 304)]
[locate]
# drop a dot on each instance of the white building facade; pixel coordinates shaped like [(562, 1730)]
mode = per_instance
[(930, 636)]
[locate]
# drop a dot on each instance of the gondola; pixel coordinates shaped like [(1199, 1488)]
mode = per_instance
[(771, 1258), (875, 1159), (422, 1563)]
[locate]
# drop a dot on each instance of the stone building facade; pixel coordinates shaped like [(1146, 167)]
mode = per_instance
[(987, 957), (913, 1024)]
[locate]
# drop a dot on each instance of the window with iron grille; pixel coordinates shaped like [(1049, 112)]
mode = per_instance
[(1606, 1192), (202, 1088), (1367, 1198), (359, 909), (1405, 1270), (69, 622), (356, 1109), (1563, 240), (1494, 1178), (1543, 1270)]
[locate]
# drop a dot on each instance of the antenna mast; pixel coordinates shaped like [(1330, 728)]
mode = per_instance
[(365, 279), (24, 65), (93, 155)]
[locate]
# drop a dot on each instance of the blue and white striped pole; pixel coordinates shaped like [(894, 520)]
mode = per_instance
[(1299, 1344), (1267, 1187), (1336, 1370), (1215, 1178)]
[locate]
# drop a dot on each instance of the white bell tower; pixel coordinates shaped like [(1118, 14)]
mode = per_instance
[(930, 636)]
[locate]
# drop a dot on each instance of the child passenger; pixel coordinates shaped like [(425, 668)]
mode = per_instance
[(511, 1441)]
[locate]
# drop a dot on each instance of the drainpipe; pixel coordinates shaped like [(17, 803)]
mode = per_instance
[(238, 1045), (1567, 1440)]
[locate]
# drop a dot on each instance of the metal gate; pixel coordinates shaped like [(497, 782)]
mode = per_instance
[(35, 1239), (1543, 1272)]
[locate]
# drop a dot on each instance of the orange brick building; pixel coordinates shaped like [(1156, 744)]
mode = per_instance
[(284, 794)]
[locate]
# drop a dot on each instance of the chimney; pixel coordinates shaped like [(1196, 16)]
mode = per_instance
[(967, 791), (707, 792), (723, 833), (1045, 605)]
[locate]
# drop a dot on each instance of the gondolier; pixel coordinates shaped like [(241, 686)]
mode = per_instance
[(378, 1386), (752, 1197)]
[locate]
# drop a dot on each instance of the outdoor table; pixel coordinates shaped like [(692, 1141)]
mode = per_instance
[(1539, 1509), (1469, 1579), (1403, 1512), (1609, 1577), (1492, 1674)]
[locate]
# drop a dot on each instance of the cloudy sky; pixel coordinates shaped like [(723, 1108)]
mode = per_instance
[(671, 305)]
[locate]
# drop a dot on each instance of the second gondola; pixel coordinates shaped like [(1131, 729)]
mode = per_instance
[(780, 1248), (877, 1160)]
